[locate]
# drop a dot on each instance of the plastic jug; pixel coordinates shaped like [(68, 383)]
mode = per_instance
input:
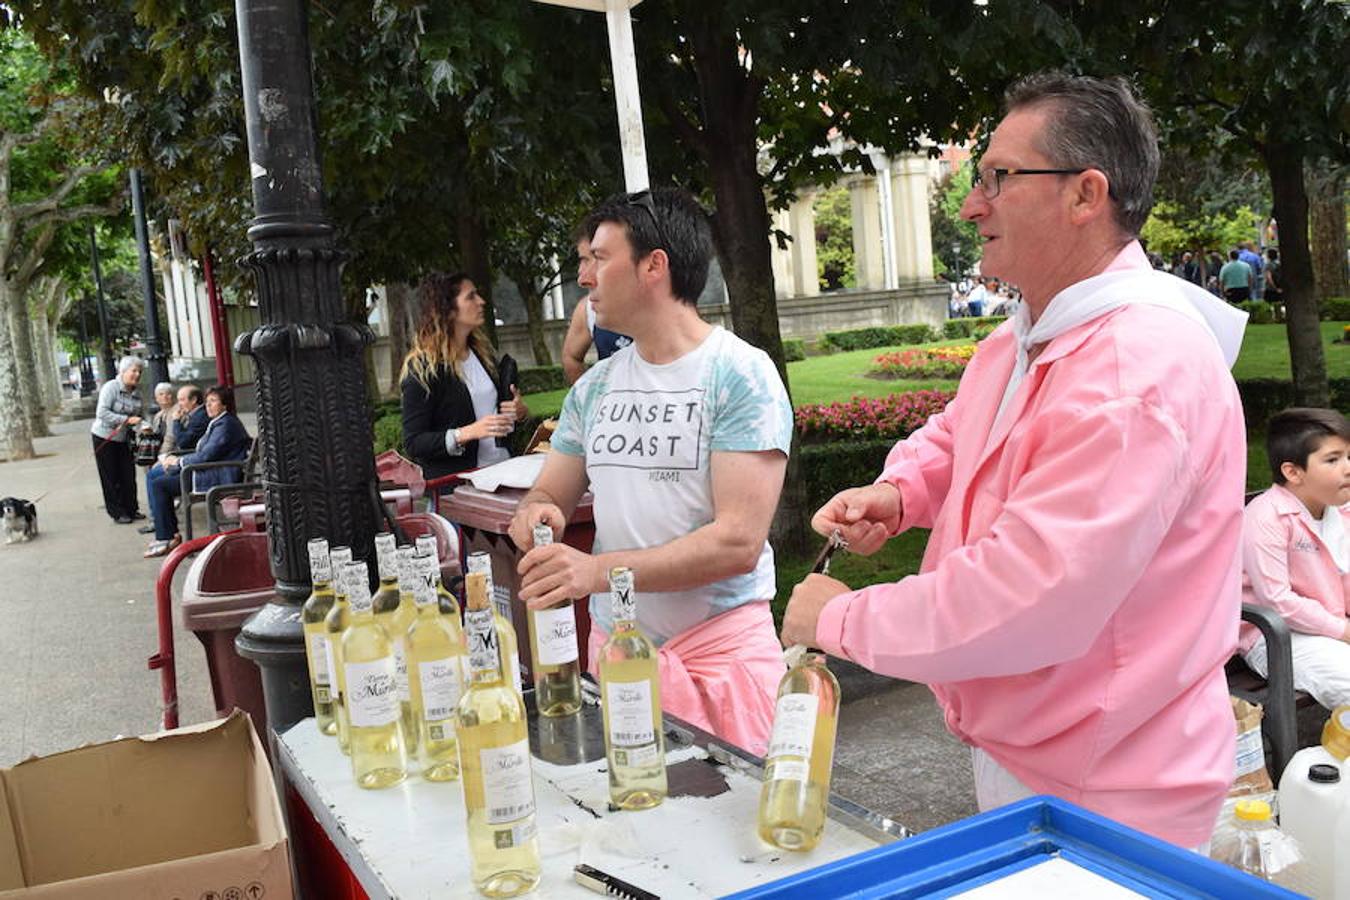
[(1313, 798), (1258, 847)]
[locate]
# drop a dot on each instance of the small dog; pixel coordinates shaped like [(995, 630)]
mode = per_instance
[(20, 518)]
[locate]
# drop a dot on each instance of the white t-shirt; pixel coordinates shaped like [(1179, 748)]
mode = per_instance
[(483, 393), (647, 433)]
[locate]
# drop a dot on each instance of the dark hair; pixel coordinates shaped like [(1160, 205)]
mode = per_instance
[(683, 234), (1097, 123), (1233, 254), (195, 394), (1272, 253), (1293, 435), (435, 330), (226, 396)]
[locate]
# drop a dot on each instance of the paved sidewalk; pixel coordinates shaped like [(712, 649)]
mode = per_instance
[(78, 623)]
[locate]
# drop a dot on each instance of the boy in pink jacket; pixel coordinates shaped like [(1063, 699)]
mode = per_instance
[(1079, 593), (1296, 553)]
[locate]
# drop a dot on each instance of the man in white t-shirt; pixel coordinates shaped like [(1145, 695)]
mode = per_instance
[(683, 438)]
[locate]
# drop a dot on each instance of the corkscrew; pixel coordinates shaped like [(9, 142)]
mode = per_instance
[(609, 885), (833, 544)]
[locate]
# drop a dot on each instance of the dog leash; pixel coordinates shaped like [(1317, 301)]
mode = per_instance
[(73, 469)]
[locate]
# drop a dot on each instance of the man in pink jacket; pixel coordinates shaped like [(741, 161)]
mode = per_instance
[(1296, 550), (1079, 594)]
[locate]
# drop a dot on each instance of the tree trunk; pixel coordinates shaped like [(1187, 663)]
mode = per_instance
[(730, 102), (1326, 216), (400, 298), (474, 257), (21, 333), (16, 433), (534, 319), (55, 302), (49, 388), (1285, 164)]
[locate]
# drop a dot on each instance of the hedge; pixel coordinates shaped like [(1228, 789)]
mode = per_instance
[(538, 379), (829, 468), (794, 350), (967, 326), (1259, 312), (1263, 397), (879, 336), (1336, 309)]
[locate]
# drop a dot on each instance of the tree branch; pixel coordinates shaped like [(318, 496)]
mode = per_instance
[(690, 133), (53, 200), (71, 213), (28, 265)]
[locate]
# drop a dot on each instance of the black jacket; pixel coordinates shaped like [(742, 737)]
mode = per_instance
[(428, 413), (188, 431)]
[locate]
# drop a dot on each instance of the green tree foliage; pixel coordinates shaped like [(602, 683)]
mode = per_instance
[(1170, 232), (834, 239), (956, 242)]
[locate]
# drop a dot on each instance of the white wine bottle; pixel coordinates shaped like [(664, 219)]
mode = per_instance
[(396, 621), (379, 758), (479, 561), (336, 622), (796, 792), (553, 648), (312, 616), (426, 546), (630, 694), (436, 668), (494, 753)]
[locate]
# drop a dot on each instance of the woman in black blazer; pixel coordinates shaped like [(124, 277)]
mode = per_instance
[(455, 417)]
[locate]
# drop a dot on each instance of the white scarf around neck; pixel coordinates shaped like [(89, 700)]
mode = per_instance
[(1332, 531), (1098, 295)]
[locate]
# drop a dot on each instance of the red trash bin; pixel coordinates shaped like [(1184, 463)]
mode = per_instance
[(227, 583)]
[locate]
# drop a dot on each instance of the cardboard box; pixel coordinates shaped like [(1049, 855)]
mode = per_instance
[(190, 814)]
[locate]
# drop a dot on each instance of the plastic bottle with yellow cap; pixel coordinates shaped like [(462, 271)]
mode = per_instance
[(1261, 849)]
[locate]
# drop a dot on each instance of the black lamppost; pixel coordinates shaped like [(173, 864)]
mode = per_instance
[(154, 344), (318, 463), (86, 369)]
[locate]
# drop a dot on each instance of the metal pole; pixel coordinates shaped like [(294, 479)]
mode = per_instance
[(86, 370), (318, 460), (220, 325), (109, 363), (154, 344)]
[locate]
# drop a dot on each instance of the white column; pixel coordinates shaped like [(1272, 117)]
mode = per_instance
[(884, 187), (204, 316), (781, 259), (802, 217), (623, 59), (865, 202), (914, 237)]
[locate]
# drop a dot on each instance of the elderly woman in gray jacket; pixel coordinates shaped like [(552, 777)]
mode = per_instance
[(118, 412)]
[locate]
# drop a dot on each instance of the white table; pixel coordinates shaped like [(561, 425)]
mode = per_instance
[(409, 842)]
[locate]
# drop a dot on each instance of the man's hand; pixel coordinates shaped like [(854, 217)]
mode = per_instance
[(558, 573), (530, 515), (865, 517), (803, 609)]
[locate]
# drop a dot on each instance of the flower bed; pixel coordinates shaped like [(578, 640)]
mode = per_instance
[(890, 417), (927, 362)]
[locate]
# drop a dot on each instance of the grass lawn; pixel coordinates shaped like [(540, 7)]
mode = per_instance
[(839, 376)]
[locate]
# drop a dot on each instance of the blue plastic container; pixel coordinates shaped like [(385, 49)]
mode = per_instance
[(996, 844)]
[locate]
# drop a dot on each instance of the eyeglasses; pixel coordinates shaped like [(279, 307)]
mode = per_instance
[(643, 199), (991, 180)]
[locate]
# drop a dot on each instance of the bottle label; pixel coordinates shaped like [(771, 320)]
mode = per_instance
[(372, 693), (426, 546), (630, 713), (1251, 756), (555, 632), (319, 658), (481, 632), (624, 604), (501, 598), (424, 583), (401, 671), (441, 687), (320, 566), (636, 757), (789, 770), (332, 666), (508, 790), (517, 680), (794, 726), (386, 556), (1343, 717), (515, 836)]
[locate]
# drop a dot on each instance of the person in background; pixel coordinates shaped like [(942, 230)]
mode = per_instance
[(582, 330), (164, 417), (1273, 277), (1249, 254), (1079, 593), (225, 439), (188, 426), (454, 417), (118, 411), (683, 439), (1296, 550), (975, 300), (1236, 278)]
